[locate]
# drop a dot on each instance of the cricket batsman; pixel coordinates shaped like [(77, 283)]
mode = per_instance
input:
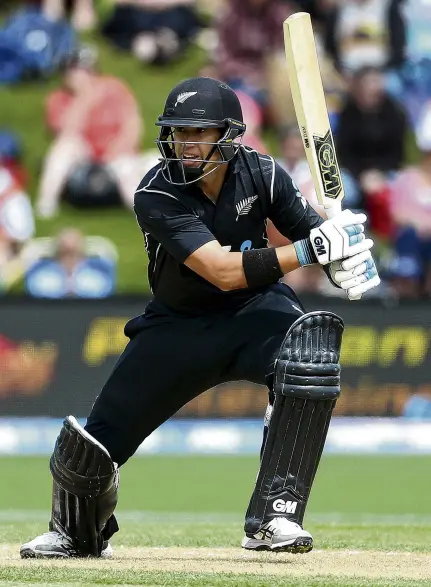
[(219, 313)]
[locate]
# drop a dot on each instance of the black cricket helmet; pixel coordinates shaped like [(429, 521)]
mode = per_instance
[(200, 102)]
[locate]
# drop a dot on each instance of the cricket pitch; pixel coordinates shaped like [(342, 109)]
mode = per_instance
[(322, 563)]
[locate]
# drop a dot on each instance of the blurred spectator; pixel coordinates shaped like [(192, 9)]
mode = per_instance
[(371, 133), (418, 406), (97, 128), (16, 226), (250, 34), (71, 272), (294, 161), (82, 13), (253, 118), (319, 11), (376, 190), (410, 208), (11, 155), (412, 82), (156, 31), (362, 33), (32, 46)]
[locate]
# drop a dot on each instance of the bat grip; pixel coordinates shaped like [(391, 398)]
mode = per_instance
[(333, 210)]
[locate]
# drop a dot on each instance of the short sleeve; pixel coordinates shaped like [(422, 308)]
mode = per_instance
[(167, 219), (290, 212)]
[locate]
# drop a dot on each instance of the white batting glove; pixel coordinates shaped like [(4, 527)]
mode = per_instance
[(338, 238), (355, 275)]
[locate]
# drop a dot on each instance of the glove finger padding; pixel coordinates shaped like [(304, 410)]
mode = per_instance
[(340, 276), (356, 275), (354, 229), (365, 245), (347, 217), (351, 262), (358, 290), (345, 279), (355, 280)]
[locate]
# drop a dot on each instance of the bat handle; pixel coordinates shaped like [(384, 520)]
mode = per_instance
[(333, 210)]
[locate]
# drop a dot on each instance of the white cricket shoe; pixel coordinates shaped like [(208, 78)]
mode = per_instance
[(280, 535), (55, 545)]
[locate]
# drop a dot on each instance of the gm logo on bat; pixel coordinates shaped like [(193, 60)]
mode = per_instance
[(329, 170)]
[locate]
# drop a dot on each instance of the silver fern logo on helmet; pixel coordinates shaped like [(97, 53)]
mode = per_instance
[(181, 98)]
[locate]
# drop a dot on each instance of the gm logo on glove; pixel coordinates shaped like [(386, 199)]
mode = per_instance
[(319, 247), (340, 237)]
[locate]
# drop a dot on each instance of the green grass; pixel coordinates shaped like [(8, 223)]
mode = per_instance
[(164, 579), (17, 578), (349, 485), (148, 530), (173, 508)]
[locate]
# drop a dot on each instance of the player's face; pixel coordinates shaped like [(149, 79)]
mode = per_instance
[(192, 145)]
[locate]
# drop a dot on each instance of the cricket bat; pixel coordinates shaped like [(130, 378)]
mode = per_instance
[(311, 111)]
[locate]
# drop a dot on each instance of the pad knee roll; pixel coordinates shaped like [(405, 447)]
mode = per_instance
[(308, 364), (84, 490)]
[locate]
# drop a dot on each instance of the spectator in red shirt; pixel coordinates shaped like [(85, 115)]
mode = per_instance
[(16, 226), (94, 118)]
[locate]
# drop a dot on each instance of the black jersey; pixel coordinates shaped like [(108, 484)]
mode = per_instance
[(177, 220)]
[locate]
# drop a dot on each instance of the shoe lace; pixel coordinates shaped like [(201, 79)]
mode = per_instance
[(281, 524)]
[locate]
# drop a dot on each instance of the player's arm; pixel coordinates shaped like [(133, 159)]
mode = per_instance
[(229, 270), (189, 241)]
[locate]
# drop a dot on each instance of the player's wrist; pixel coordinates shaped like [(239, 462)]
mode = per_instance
[(305, 252)]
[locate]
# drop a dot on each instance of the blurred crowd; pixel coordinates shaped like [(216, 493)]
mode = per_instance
[(375, 60)]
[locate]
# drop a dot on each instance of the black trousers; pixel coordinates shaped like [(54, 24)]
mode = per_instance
[(172, 359)]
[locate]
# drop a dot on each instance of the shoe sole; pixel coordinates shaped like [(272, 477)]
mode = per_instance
[(300, 545), (29, 553)]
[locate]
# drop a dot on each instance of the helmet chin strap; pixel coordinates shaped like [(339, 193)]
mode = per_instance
[(195, 173)]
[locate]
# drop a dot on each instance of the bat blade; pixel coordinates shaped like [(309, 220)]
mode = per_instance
[(311, 111)]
